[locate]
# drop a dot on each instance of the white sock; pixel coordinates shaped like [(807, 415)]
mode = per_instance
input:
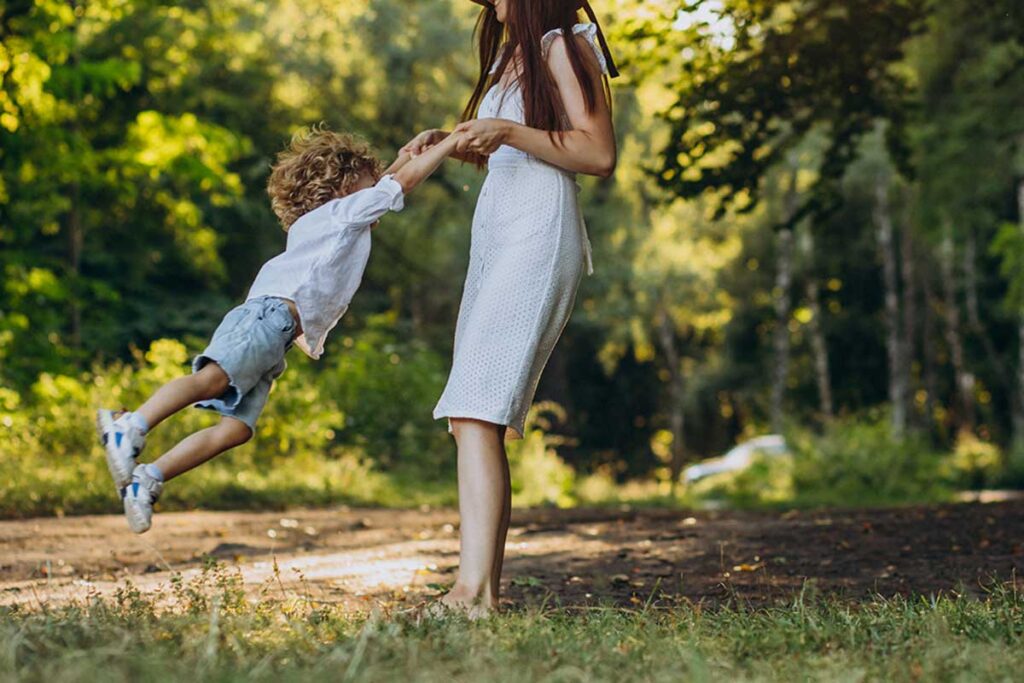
[(136, 420), (154, 471)]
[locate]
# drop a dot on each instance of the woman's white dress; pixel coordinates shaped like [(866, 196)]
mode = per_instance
[(528, 252)]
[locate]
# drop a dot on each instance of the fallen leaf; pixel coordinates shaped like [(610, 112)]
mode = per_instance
[(748, 567)]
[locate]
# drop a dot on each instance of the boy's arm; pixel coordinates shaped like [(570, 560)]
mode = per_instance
[(429, 138), (396, 165), (414, 170)]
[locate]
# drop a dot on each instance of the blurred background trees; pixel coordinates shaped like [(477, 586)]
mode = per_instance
[(817, 222)]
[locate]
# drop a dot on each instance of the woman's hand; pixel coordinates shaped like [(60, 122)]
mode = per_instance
[(483, 136), (424, 141)]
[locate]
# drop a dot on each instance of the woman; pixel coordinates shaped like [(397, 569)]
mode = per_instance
[(540, 113)]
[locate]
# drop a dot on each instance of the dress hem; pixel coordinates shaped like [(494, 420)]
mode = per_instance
[(512, 433)]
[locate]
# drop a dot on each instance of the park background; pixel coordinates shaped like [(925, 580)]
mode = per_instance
[(816, 229)]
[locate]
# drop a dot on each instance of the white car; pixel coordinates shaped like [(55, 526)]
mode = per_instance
[(738, 458)]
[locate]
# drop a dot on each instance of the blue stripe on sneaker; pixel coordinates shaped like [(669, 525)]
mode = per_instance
[(135, 489), (117, 438)]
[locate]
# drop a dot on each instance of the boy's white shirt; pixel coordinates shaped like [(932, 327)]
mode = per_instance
[(323, 262)]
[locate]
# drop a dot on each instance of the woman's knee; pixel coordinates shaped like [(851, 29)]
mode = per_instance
[(464, 427)]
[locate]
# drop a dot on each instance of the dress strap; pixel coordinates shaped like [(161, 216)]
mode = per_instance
[(497, 59), (589, 31)]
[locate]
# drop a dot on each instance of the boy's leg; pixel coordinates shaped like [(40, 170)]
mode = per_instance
[(204, 445), (210, 382), (148, 480), (124, 435)]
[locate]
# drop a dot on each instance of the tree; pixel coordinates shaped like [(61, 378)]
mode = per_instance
[(774, 72)]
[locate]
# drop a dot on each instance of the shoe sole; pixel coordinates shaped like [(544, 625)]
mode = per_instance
[(121, 477), (137, 521)]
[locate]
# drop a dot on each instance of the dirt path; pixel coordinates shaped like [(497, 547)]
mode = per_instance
[(573, 558)]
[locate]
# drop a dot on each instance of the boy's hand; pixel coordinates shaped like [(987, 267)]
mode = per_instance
[(423, 142)]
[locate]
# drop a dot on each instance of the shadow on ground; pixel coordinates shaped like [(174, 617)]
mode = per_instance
[(567, 558)]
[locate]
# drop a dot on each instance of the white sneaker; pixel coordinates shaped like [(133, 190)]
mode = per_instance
[(123, 442), (139, 496)]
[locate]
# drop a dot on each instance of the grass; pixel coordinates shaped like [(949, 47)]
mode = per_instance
[(207, 630)]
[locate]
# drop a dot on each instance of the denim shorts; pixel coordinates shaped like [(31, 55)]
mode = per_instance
[(249, 345)]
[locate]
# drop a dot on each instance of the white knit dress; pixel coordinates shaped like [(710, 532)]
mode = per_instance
[(529, 249)]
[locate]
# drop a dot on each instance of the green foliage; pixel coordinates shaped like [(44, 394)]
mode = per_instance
[(768, 73), (768, 481), (856, 462), (51, 460), (386, 388), (136, 137), (974, 463), (1008, 247), (539, 476), (859, 462), (206, 630)]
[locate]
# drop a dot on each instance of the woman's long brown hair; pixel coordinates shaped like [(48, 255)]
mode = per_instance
[(525, 25)]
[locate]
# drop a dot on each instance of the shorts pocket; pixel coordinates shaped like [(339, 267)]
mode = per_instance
[(235, 323), (278, 320)]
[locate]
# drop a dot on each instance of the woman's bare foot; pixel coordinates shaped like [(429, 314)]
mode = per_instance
[(472, 604)]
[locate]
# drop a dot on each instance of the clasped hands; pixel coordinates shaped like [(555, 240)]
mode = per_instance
[(479, 136)]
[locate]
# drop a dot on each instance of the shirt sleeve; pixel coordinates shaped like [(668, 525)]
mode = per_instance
[(362, 208)]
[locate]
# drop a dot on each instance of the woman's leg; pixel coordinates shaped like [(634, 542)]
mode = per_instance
[(506, 515), (484, 499)]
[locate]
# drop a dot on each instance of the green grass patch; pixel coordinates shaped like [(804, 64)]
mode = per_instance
[(208, 630)]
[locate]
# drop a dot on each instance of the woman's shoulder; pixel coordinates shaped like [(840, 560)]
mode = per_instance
[(585, 31)]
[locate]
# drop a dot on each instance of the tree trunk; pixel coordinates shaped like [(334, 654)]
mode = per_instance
[(1018, 404), (819, 348), (928, 352), (910, 315), (897, 375), (783, 307), (76, 236), (974, 315), (75, 243), (954, 339), (677, 396)]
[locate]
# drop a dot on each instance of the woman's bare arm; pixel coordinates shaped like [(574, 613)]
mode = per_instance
[(588, 148), (429, 138)]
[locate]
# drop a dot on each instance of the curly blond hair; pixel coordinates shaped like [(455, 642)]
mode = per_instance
[(317, 166)]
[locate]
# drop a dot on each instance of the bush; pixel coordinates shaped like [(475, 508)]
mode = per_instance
[(539, 476), (767, 481), (386, 388), (973, 463), (856, 462), (859, 462), (307, 449)]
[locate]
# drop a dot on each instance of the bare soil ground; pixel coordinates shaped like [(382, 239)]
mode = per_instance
[(572, 558)]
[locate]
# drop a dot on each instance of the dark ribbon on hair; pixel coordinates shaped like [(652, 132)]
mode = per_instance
[(613, 71)]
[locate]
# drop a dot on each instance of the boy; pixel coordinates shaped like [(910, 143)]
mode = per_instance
[(328, 192)]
